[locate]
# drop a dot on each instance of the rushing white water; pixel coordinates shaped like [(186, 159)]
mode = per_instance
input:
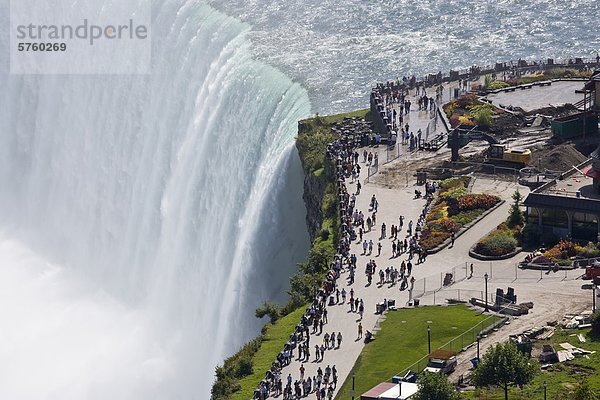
[(143, 218)]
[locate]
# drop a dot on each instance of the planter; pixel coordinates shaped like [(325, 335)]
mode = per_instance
[(482, 257), (545, 267), (465, 228)]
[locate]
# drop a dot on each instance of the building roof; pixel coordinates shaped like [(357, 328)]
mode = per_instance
[(562, 202), (377, 391), (401, 391)]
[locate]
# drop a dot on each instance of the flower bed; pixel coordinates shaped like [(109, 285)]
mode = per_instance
[(469, 110), (454, 208), (500, 242), (564, 251)]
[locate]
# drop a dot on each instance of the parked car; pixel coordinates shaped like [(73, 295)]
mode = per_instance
[(441, 361)]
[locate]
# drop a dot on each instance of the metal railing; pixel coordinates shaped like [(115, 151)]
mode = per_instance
[(435, 283), (498, 273), (518, 67)]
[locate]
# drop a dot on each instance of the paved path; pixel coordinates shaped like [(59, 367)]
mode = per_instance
[(397, 201), (537, 97)]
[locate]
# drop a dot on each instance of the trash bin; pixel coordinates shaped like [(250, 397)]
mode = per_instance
[(416, 302), (475, 362)]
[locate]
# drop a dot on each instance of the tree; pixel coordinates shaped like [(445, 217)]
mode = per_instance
[(503, 365), (596, 323), (583, 391), (435, 387), (269, 309), (515, 216)]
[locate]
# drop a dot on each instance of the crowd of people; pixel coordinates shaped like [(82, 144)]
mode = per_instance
[(343, 154), (355, 224)]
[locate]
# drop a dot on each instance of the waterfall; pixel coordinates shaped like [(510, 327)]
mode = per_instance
[(144, 217)]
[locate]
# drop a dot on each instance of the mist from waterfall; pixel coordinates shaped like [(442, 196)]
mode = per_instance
[(144, 217)]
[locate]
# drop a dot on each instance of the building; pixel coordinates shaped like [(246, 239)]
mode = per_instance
[(569, 206), (592, 92), (391, 391)]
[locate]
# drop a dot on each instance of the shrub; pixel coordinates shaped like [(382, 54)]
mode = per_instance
[(473, 201), (465, 120), (324, 234), (450, 183), (450, 107), (488, 80), (454, 121), (433, 239), (590, 250), (469, 99), (562, 251), (444, 225), (465, 217), (437, 212), (272, 310), (497, 85), (454, 193), (482, 114), (497, 243)]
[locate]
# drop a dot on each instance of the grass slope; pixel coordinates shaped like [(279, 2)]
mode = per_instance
[(403, 340), (275, 337)]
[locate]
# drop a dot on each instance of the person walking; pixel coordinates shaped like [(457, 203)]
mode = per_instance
[(360, 332)]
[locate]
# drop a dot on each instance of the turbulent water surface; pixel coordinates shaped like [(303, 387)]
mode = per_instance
[(338, 49), (143, 218)]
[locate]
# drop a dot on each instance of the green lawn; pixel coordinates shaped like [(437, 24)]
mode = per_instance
[(403, 340), (272, 344), (560, 377)]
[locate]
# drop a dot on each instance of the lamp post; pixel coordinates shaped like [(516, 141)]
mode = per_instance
[(593, 297), (545, 384), (486, 293), (478, 337), (353, 378), (428, 337)]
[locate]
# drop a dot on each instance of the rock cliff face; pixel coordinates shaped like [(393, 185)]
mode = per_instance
[(314, 191)]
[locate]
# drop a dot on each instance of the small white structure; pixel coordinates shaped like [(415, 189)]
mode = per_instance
[(401, 391), (391, 391)]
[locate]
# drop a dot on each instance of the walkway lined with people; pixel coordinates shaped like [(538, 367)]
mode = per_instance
[(330, 334), (378, 260)]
